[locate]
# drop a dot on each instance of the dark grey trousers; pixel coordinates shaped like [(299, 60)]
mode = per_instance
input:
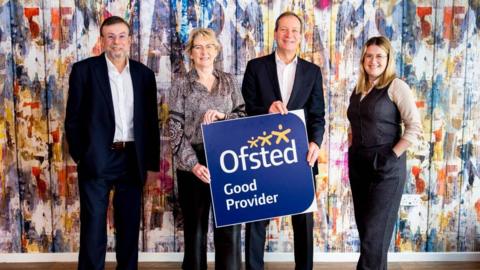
[(195, 202), (377, 179)]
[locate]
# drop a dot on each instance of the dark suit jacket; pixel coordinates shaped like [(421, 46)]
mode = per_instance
[(260, 88), (90, 120)]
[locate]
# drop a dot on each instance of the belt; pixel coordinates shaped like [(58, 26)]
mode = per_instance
[(118, 146)]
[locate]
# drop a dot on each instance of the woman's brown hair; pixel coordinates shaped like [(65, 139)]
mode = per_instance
[(363, 84)]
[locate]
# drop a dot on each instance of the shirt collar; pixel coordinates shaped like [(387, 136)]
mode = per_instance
[(192, 75), (279, 61), (111, 66)]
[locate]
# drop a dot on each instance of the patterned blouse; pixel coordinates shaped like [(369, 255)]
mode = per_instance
[(189, 100)]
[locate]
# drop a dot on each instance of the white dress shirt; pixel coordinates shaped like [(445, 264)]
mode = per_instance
[(122, 97), (286, 77)]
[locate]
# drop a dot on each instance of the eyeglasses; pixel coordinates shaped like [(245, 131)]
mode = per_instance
[(121, 37), (378, 57), (208, 47)]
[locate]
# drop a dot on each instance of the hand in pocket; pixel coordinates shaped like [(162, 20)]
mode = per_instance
[(385, 160)]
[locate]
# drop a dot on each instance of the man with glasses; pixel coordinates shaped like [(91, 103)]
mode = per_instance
[(277, 83), (112, 131)]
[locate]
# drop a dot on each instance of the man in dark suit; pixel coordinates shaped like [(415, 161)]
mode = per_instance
[(112, 131), (277, 83)]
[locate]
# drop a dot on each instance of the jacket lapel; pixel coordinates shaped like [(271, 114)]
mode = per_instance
[(299, 73), (101, 73), (272, 72), (136, 79)]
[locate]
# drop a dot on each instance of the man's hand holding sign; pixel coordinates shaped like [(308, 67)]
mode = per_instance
[(313, 148)]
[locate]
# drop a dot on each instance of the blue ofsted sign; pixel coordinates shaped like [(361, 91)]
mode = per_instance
[(258, 168)]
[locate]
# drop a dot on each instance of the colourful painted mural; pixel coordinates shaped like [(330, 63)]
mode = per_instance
[(437, 50)]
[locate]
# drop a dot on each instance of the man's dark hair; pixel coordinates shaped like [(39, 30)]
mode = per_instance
[(289, 13), (114, 20)]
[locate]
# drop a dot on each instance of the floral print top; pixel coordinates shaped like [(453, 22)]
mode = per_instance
[(189, 100)]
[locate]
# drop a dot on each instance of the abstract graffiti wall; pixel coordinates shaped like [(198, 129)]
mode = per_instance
[(437, 53)]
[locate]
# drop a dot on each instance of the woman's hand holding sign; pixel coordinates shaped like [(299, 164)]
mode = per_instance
[(212, 115), (202, 173)]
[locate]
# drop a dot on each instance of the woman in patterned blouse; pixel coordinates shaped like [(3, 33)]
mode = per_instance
[(203, 95)]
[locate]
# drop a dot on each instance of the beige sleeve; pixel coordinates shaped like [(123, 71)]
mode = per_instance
[(400, 93)]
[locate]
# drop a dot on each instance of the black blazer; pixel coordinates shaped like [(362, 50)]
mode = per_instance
[(260, 88), (90, 120)]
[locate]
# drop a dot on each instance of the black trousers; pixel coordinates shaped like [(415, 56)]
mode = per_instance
[(377, 179), (255, 235), (122, 177), (195, 202)]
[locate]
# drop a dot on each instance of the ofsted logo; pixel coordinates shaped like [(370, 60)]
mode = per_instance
[(230, 160)]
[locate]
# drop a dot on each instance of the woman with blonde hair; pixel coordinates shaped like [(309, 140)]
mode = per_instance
[(380, 103), (203, 95)]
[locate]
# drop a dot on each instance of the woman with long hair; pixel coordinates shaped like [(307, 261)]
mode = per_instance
[(379, 105)]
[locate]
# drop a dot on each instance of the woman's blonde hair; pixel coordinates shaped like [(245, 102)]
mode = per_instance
[(204, 32), (363, 85)]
